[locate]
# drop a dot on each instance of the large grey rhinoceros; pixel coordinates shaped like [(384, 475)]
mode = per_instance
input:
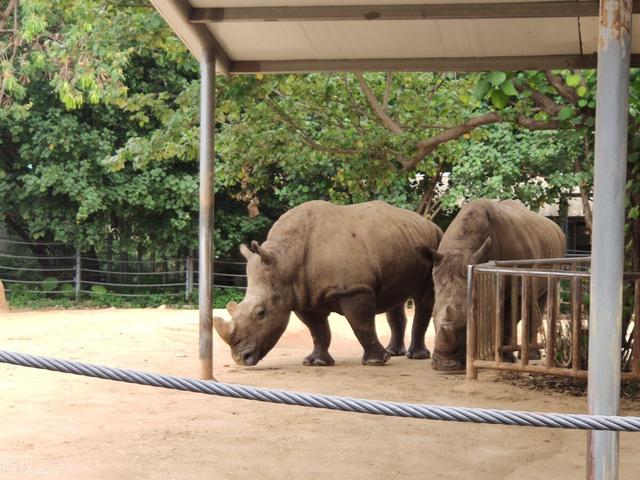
[(484, 230), (356, 260)]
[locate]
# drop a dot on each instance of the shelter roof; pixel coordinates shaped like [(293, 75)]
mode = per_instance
[(251, 36)]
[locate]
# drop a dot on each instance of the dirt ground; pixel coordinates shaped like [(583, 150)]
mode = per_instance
[(62, 426)]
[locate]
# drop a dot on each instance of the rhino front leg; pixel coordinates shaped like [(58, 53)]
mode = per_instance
[(397, 323), (318, 325), (360, 312), (423, 309)]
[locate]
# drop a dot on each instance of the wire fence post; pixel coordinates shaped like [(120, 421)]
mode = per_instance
[(189, 279), (78, 279)]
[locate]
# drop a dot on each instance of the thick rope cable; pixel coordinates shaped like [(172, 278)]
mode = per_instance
[(330, 402)]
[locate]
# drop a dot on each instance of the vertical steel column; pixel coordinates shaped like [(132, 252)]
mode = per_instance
[(605, 319), (78, 279), (205, 267)]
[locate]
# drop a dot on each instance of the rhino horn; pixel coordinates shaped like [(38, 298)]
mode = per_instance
[(231, 308), (267, 257), (225, 328), (480, 254), (445, 341), (246, 253)]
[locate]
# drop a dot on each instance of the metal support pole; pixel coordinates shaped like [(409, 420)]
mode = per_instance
[(189, 279), (607, 264), (205, 278), (78, 279)]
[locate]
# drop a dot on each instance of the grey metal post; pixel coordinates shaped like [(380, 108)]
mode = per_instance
[(78, 279), (607, 264), (189, 279), (205, 278)]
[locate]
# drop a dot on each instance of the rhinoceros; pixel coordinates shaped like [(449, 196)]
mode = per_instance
[(356, 260), (484, 230)]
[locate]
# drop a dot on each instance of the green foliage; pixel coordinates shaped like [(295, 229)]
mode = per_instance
[(98, 291), (68, 290), (19, 298), (222, 296), (49, 284)]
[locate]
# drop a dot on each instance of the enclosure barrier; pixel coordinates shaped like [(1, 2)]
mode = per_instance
[(74, 274), (530, 306), (331, 402)]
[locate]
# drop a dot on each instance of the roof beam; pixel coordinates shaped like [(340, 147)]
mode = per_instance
[(569, 9), (197, 37), (466, 64)]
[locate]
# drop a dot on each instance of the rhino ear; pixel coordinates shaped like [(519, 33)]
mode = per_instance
[(429, 255), (246, 253), (267, 257)]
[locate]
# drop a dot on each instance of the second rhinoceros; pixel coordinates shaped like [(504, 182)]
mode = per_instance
[(356, 260)]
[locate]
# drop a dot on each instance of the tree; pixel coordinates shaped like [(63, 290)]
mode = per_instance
[(76, 87)]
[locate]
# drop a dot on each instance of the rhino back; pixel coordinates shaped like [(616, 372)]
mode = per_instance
[(371, 245), (517, 232)]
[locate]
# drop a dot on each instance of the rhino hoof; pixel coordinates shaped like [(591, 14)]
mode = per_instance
[(509, 357), (376, 362), (421, 354), (396, 351), (319, 361)]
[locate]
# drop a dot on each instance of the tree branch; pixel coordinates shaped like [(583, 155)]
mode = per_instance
[(7, 13), (16, 42), (375, 106), (425, 147), (564, 90), (305, 136), (427, 196), (531, 124), (387, 91), (584, 193), (542, 101)]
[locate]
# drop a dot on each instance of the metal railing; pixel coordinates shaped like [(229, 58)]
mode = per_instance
[(74, 275), (540, 310)]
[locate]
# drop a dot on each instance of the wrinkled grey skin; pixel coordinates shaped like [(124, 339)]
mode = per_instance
[(484, 230), (356, 260)]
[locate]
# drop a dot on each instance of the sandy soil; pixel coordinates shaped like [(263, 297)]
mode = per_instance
[(62, 426)]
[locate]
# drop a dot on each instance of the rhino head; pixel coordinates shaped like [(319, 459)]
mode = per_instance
[(258, 322), (450, 308)]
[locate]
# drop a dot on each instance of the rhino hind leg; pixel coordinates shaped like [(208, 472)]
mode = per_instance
[(423, 309), (359, 308), (318, 325), (397, 323)]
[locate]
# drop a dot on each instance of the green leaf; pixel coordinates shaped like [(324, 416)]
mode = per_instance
[(98, 290), (634, 213), (68, 290), (581, 90), (566, 113), (49, 284), (573, 80), (508, 88), (499, 99), (496, 78), (481, 89)]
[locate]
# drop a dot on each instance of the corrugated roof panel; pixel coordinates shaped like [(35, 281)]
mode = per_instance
[(397, 39), (589, 30), (314, 3)]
